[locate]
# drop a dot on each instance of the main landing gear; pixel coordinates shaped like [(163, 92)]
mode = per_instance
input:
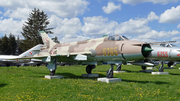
[(161, 68), (52, 66), (109, 73), (119, 67), (89, 68)]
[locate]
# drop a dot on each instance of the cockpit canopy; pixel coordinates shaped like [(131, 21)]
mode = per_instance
[(117, 38)]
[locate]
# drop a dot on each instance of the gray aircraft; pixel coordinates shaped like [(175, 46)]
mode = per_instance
[(5, 59), (164, 52)]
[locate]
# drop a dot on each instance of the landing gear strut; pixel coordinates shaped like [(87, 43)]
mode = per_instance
[(52, 66), (89, 68), (161, 69), (119, 67), (109, 73)]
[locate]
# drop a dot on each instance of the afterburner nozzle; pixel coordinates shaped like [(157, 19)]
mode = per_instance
[(146, 50)]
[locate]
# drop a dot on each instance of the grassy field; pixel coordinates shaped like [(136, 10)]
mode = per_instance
[(28, 83)]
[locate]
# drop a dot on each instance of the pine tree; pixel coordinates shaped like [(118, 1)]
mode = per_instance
[(12, 44), (55, 39), (1, 46), (37, 21), (5, 48), (18, 49)]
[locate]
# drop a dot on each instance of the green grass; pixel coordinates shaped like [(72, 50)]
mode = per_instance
[(28, 83)]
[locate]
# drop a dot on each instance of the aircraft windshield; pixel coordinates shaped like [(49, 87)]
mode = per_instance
[(117, 38), (125, 37), (112, 37)]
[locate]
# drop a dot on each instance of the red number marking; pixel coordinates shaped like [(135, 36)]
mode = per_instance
[(162, 53)]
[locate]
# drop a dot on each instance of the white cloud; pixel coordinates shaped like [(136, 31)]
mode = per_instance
[(154, 35), (176, 38), (133, 2), (98, 26), (20, 9), (63, 26), (178, 26), (170, 15), (152, 16), (8, 26), (19, 13), (133, 27), (136, 26), (111, 7), (73, 38)]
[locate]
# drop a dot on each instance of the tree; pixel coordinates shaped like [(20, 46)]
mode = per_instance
[(55, 39), (5, 48), (18, 49), (12, 44), (37, 21), (1, 46)]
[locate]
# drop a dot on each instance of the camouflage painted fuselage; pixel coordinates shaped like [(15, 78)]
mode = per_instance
[(96, 50)]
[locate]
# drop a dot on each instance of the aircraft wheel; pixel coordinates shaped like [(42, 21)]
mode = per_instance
[(7, 65), (169, 64), (143, 67), (52, 72), (89, 68), (38, 64)]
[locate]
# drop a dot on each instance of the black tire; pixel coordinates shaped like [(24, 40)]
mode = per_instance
[(7, 65), (143, 67), (88, 69), (170, 64), (38, 64), (52, 72)]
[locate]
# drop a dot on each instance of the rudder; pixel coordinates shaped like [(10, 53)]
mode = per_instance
[(47, 40)]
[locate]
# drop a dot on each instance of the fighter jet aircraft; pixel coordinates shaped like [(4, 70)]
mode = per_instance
[(112, 50), (164, 52), (4, 58)]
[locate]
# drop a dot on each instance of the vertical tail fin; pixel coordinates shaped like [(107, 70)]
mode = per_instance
[(47, 40), (31, 52)]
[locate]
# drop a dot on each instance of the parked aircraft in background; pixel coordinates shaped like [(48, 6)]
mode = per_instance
[(4, 58), (111, 50), (164, 52)]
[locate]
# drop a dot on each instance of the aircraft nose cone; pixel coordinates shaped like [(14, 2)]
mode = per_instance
[(146, 50)]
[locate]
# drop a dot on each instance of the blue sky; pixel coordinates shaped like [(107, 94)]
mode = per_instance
[(74, 20)]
